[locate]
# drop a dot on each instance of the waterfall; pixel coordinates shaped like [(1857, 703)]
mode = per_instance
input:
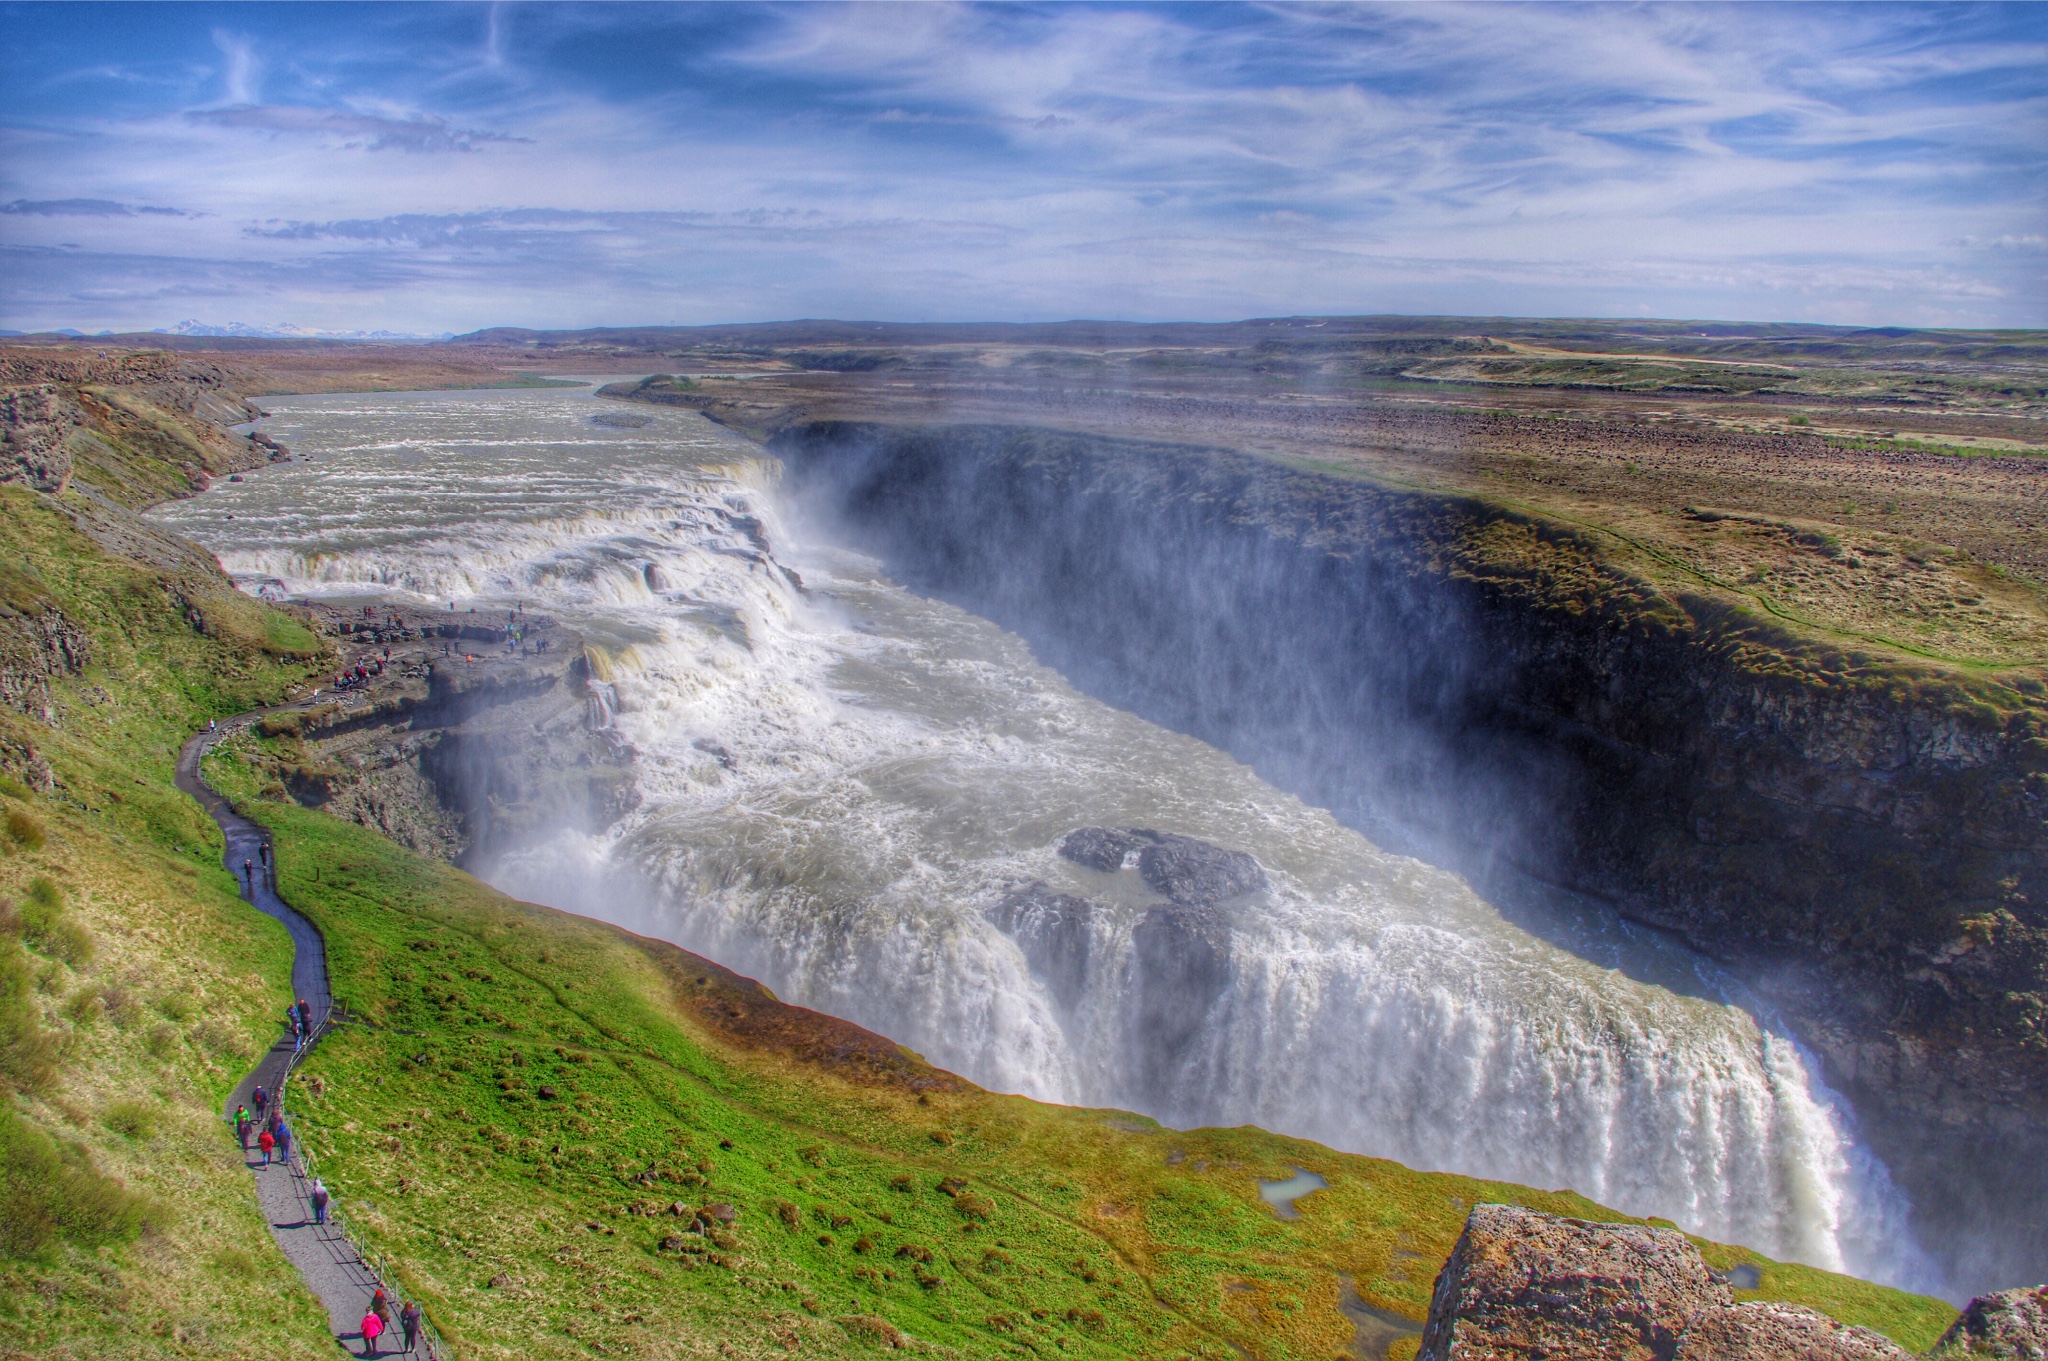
[(857, 794)]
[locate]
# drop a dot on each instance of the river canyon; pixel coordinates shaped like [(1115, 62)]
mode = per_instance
[(859, 793)]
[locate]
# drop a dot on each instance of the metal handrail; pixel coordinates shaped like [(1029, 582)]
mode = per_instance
[(301, 1161)]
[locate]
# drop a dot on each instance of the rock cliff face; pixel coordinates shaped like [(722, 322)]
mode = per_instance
[(1867, 839), (469, 758), (135, 426)]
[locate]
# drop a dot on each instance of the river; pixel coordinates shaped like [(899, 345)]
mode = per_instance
[(847, 789)]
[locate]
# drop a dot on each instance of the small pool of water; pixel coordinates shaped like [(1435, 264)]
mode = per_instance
[(1281, 1195)]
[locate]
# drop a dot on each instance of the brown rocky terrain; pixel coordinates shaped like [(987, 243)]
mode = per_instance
[(1523, 1285)]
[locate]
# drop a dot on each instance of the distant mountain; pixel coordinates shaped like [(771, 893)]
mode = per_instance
[(285, 330)]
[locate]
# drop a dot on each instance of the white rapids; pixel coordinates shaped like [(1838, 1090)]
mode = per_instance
[(895, 766)]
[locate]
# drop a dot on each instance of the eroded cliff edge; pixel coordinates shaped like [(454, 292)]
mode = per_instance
[(1863, 836)]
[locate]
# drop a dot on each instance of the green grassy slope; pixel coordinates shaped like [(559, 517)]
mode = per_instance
[(530, 1093), (135, 987)]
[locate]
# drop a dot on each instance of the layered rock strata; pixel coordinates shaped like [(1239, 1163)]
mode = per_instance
[(466, 743)]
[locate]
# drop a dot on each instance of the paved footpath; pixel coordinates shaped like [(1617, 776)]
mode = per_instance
[(322, 1253)]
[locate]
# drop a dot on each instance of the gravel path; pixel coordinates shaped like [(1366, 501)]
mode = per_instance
[(322, 1253)]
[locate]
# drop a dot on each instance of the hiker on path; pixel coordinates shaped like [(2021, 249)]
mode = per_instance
[(263, 851), (284, 1142), (372, 1326), (381, 1307), (267, 1142), (409, 1319), (306, 1015), (291, 1018), (248, 879), (320, 1199), (261, 1100)]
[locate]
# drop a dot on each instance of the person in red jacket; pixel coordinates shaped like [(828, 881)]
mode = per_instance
[(266, 1141)]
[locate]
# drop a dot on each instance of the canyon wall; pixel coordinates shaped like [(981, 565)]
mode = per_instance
[(1864, 840)]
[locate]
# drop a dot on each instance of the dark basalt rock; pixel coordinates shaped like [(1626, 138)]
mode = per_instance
[(1181, 966), (1188, 871), (1056, 933), (1101, 848), (1192, 872)]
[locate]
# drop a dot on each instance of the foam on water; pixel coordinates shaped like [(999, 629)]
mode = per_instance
[(894, 768)]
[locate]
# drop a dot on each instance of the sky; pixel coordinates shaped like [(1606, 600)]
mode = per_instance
[(444, 167)]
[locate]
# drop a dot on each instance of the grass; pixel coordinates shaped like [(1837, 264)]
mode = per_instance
[(527, 1093), (135, 986)]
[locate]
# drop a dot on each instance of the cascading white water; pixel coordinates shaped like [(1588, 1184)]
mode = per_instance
[(843, 787)]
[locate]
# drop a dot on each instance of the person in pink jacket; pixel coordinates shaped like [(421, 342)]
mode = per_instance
[(372, 1328)]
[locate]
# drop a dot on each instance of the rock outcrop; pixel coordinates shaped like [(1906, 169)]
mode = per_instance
[(2012, 1324), (1523, 1285), (1192, 873)]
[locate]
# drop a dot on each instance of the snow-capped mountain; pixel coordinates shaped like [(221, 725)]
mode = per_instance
[(285, 330)]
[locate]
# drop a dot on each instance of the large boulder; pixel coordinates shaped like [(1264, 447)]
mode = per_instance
[(1769, 1331), (1194, 872), (1521, 1284), (2010, 1326)]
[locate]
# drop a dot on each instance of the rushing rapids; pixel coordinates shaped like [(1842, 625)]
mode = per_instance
[(858, 795)]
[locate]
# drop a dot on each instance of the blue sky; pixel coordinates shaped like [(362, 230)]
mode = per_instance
[(444, 167)]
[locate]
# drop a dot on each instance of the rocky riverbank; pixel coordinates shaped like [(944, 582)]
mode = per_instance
[(1864, 838)]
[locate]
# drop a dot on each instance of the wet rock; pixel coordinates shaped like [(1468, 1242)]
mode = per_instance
[(1769, 1331), (1056, 932), (2011, 1325), (1186, 870), (1181, 965), (1101, 848), (1521, 1284), (1192, 872)]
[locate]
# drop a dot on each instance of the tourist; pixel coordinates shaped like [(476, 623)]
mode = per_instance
[(306, 1014), (284, 1143), (267, 1143), (260, 1099), (409, 1319), (248, 878), (372, 1326), (243, 1123), (320, 1199)]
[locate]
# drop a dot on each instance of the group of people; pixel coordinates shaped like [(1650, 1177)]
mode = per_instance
[(300, 1018), (273, 1138), (360, 674), (377, 1322), (265, 1126)]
